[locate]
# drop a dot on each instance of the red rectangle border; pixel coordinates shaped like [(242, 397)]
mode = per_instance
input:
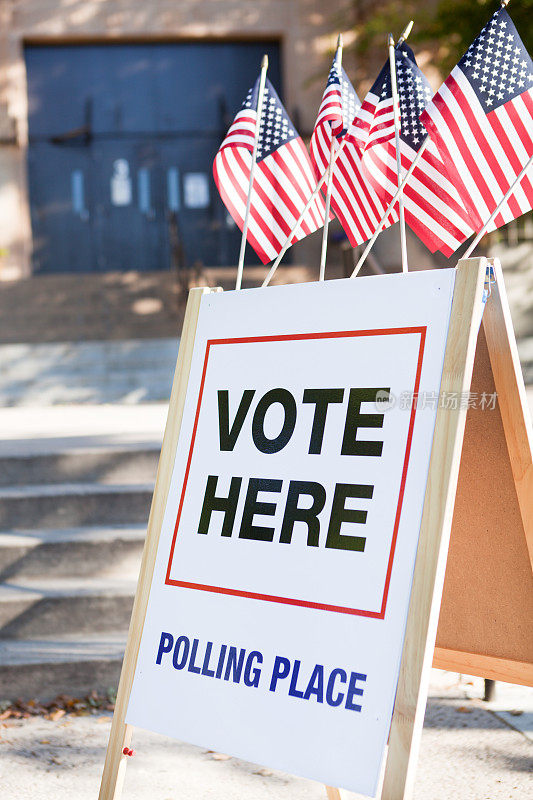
[(301, 337)]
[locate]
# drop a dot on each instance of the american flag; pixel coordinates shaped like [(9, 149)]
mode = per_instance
[(374, 123), (353, 200), (433, 206), (481, 120), (283, 176)]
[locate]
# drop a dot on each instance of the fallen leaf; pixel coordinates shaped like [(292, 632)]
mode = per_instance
[(516, 712), (220, 757), (45, 741), (57, 714), (464, 710)]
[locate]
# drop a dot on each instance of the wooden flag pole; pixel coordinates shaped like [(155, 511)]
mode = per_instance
[(330, 182), (396, 109), (262, 81), (399, 194), (494, 214)]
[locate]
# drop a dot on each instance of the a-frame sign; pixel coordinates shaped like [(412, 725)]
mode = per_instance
[(485, 619), (291, 582)]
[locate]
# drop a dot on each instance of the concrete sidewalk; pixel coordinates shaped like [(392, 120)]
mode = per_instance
[(467, 753), (36, 431)]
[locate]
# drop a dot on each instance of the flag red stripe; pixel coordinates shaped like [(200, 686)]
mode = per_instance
[(256, 218), (280, 191), (377, 211), (238, 217), (256, 214), (480, 137), (412, 196), (497, 127), (518, 124), (303, 162), (468, 159)]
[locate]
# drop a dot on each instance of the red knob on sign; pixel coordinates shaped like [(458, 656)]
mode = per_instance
[(128, 752)]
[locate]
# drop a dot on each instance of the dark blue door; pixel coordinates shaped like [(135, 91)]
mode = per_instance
[(122, 140)]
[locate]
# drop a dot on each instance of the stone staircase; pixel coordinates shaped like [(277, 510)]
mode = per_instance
[(46, 374), (72, 527)]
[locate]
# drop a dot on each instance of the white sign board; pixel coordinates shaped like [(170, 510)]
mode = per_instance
[(277, 610)]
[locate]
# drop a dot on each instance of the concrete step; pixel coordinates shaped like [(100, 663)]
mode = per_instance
[(128, 371), (36, 608), (117, 465), (73, 505), (73, 552), (55, 429), (73, 665)]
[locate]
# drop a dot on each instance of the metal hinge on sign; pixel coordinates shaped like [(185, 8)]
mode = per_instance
[(490, 278)]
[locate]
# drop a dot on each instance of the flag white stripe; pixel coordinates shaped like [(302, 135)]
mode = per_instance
[(491, 139), (353, 187), (290, 218), (269, 244), (226, 178), (294, 164), (320, 147), (414, 207), (519, 148), (381, 165), (307, 169), (284, 180), (455, 154), (475, 146), (351, 213)]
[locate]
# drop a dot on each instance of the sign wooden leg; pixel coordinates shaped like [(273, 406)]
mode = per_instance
[(333, 793), (120, 736), (428, 579)]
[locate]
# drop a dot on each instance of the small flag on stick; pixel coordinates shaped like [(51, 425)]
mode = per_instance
[(374, 123), (353, 200), (330, 103), (396, 109), (433, 206), (283, 177), (481, 120)]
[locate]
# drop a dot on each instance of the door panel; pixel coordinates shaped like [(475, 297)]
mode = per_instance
[(61, 207), (128, 228), (122, 140)]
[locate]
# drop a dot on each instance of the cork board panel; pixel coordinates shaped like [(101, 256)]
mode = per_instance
[(487, 603)]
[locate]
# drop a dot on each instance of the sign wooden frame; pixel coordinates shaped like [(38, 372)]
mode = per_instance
[(502, 484), (421, 630)]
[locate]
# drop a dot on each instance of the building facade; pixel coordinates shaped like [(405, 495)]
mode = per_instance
[(111, 112)]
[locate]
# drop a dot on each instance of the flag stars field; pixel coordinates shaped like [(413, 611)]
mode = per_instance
[(283, 179), (502, 65)]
